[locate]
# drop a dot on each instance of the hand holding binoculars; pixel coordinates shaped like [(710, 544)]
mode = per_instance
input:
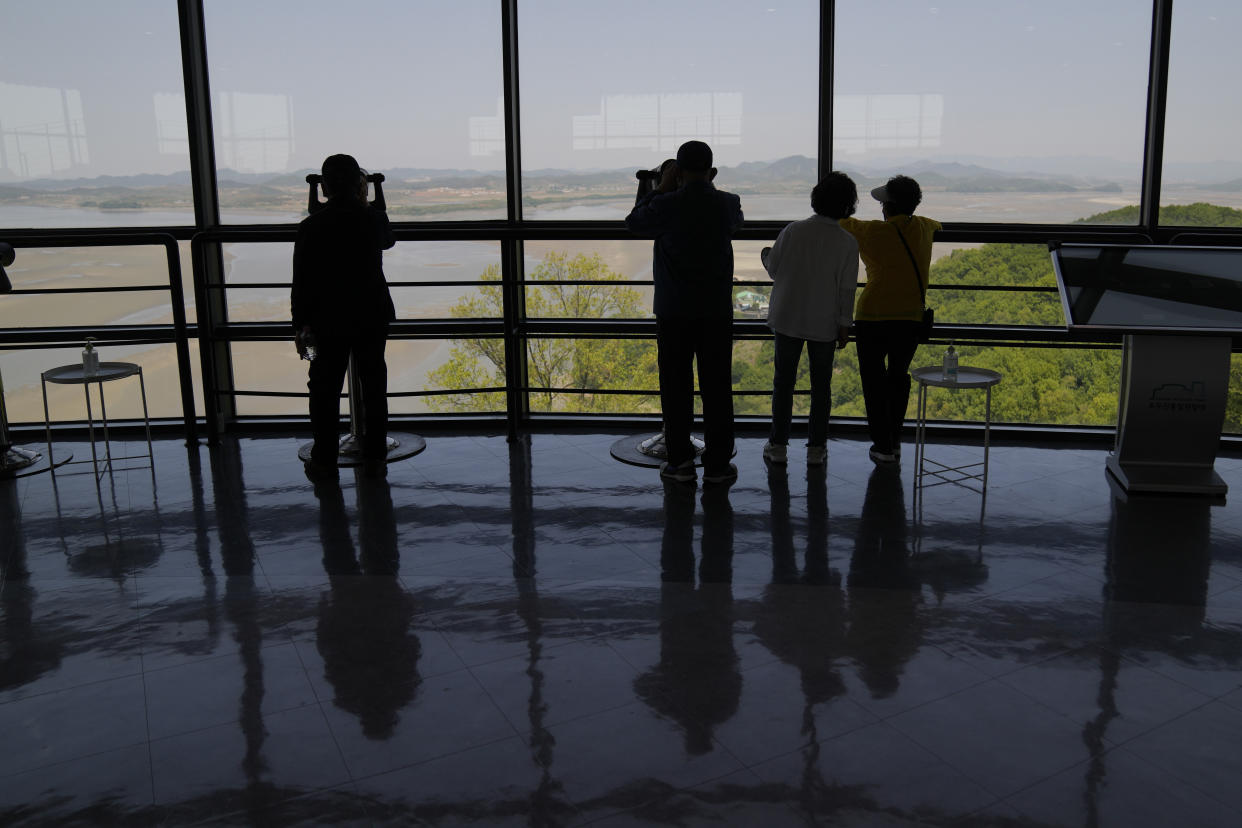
[(314, 205), (649, 180)]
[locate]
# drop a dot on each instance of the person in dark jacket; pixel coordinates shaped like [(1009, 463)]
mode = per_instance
[(693, 223), (341, 304)]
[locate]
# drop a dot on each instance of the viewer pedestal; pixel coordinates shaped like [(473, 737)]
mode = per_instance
[(1170, 414)]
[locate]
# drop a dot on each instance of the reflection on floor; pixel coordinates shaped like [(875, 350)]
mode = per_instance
[(534, 634)]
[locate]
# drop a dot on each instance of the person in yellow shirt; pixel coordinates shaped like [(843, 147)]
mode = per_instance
[(897, 255)]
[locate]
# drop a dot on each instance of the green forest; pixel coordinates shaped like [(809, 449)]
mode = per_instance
[(1067, 386)]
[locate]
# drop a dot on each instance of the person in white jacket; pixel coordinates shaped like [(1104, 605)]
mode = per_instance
[(814, 270)]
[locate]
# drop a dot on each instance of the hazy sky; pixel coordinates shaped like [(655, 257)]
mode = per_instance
[(90, 88)]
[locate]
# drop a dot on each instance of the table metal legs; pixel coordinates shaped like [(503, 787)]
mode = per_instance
[(961, 475), (146, 418), (90, 424)]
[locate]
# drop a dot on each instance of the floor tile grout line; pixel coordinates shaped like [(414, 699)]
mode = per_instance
[(873, 721), (327, 722), (1159, 769), (437, 758), (1177, 680), (78, 758), (146, 721), (981, 783)]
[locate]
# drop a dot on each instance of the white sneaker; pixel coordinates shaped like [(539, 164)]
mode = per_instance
[(816, 455), (775, 453), (882, 458)]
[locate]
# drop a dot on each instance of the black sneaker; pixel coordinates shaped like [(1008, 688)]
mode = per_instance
[(683, 472), (724, 474)]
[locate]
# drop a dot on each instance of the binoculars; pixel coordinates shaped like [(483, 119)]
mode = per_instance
[(648, 180), (314, 205)]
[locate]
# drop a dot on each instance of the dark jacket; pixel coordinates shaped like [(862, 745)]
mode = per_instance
[(693, 260), (338, 274)]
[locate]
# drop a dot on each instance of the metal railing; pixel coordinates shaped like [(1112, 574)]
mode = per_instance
[(179, 333)]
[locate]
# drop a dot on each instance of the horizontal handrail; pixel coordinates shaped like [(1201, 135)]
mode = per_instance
[(21, 239), (757, 230), (105, 289)]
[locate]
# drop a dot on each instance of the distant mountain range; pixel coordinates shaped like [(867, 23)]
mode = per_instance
[(795, 171), (1233, 186)]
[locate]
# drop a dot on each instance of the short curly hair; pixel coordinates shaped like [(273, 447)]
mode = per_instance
[(835, 196)]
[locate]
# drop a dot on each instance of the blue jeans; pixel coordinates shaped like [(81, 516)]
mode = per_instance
[(785, 375)]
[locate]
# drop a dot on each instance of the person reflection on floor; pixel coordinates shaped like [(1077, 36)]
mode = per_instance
[(802, 614), (370, 655), (697, 682), (884, 594), (784, 560), (31, 649)]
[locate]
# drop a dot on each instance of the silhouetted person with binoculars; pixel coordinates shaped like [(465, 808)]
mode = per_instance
[(693, 224), (341, 307)]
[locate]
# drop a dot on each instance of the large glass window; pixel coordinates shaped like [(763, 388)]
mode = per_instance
[(609, 88), (1060, 385), (1017, 112), (23, 391), (268, 374), (1202, 173), (129, 286), (92, 116), (560, 276), (1026, 111), (1013, 284), (411, 90), (259, 277), (591, 375)]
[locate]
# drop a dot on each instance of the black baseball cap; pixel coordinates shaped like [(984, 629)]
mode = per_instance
[(694, 156)]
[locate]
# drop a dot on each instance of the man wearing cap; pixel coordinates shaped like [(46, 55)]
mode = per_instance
[(693, 223), (341, 300), (887, 318)]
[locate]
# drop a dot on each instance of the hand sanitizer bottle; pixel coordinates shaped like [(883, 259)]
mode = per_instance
[(90, 358), (949, 369)]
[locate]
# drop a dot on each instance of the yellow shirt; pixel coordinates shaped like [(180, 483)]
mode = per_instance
[(891, 292)]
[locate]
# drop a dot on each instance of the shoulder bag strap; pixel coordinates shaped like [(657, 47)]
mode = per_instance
[(918, 276)]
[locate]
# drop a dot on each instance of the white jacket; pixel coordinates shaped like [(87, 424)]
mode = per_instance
[(814, 270)]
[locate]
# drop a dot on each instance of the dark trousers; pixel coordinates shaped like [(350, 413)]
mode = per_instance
[(327, 375), (680, 342), (784, 377), (885, 350)]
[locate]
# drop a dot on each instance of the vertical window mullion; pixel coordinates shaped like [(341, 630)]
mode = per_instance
[(514, 301), (827, 17), (216, 357), (1157, 98)]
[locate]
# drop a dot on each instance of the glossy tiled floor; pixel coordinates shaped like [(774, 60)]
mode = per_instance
[(538, 635)]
